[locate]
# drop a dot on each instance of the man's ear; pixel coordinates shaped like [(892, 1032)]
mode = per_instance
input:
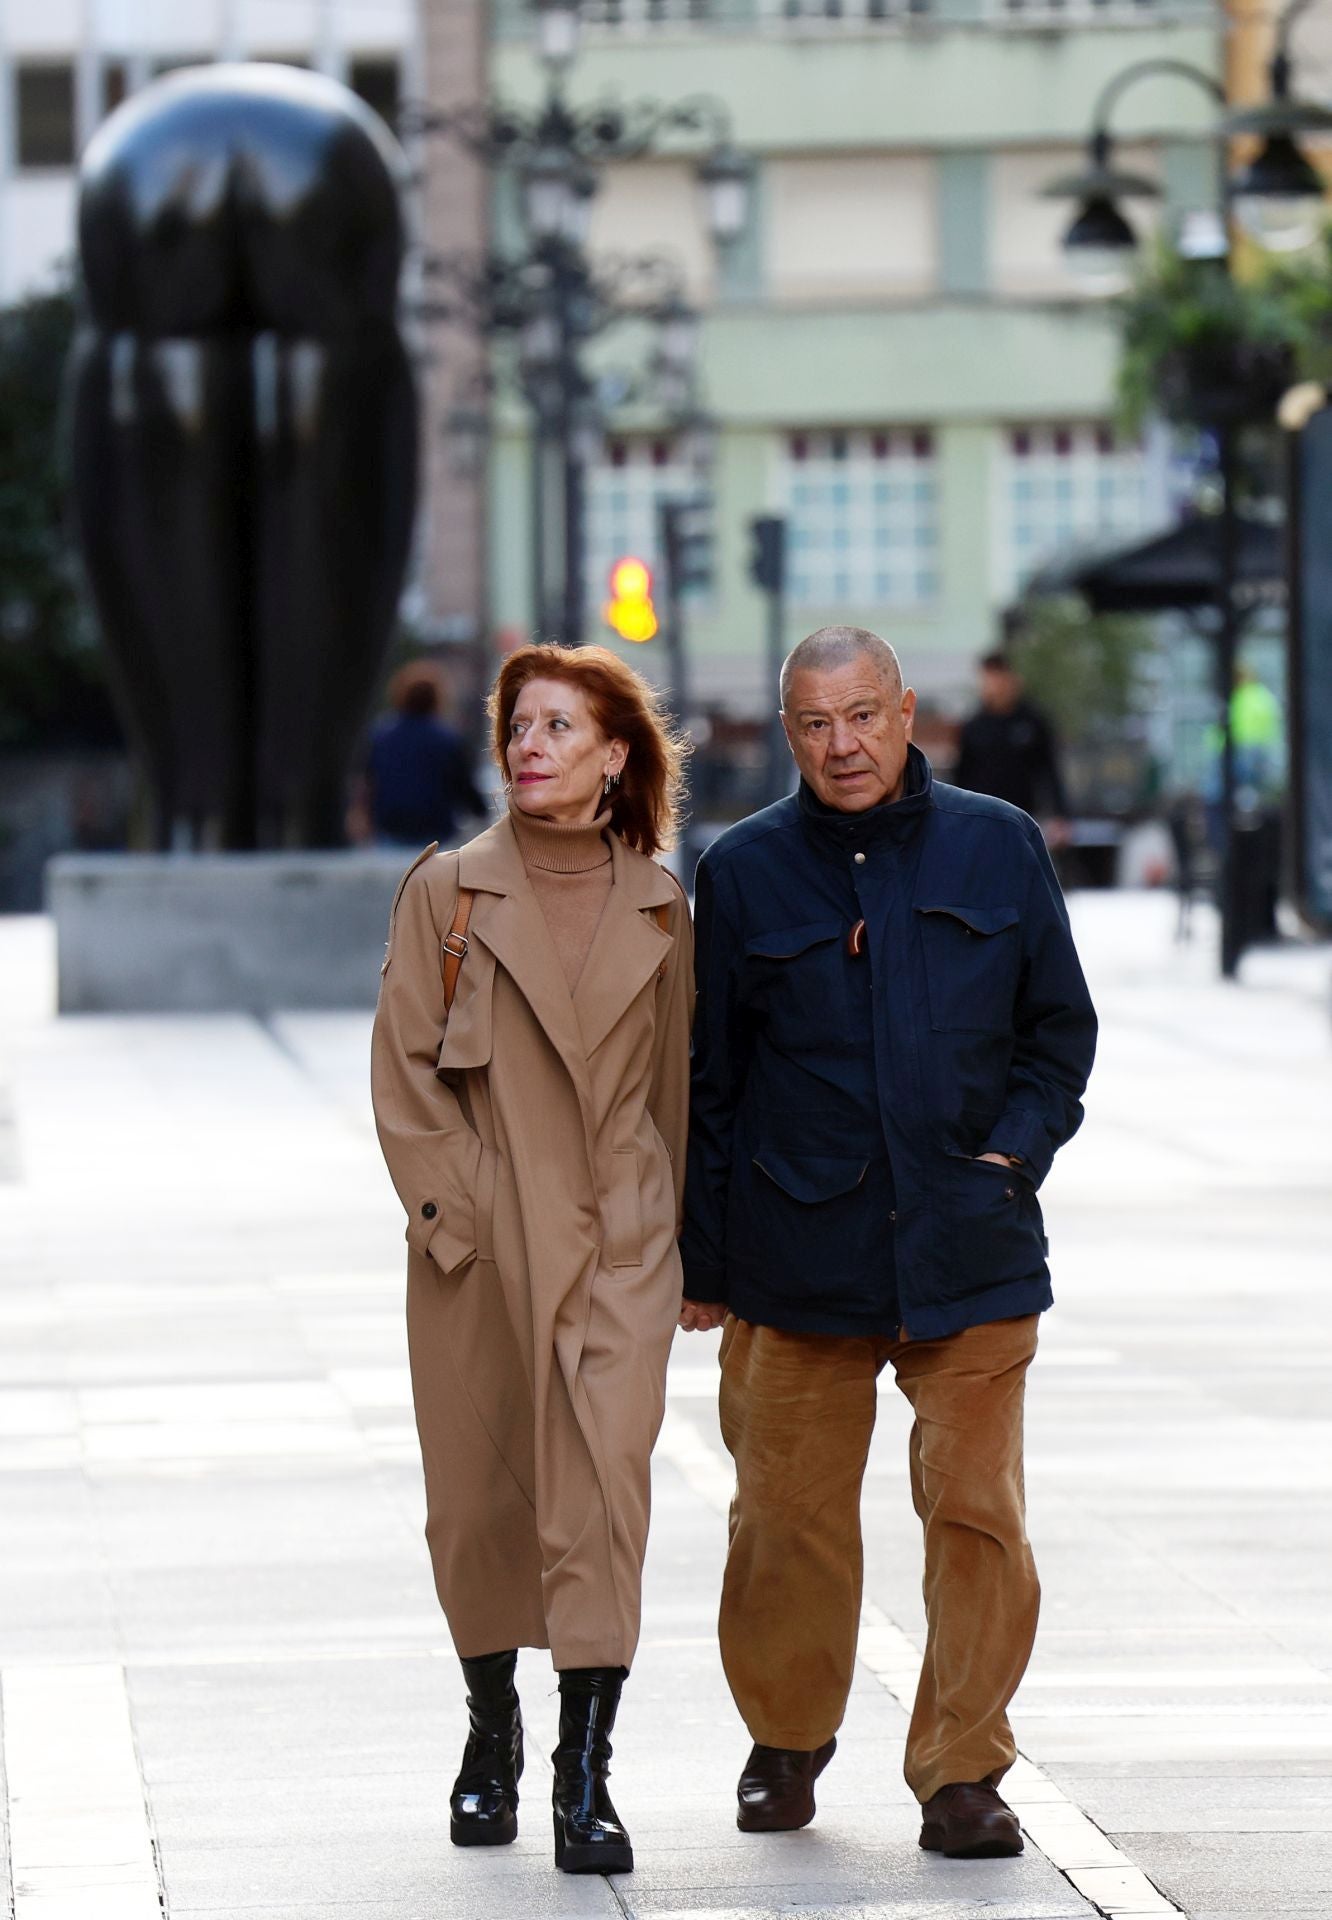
[(786, 728), (908, 711)]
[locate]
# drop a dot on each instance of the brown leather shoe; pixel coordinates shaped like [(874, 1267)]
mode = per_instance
[(969, 1822), (776, 1790)]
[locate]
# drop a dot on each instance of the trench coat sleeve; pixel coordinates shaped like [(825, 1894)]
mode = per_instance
[(433, 1155), (668, 1095), (1055, 1028), (720, 1060)]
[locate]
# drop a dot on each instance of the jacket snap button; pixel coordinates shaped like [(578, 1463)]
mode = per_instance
[(1010, 1193), (429, 1210), (893, 1214), (859, 859)]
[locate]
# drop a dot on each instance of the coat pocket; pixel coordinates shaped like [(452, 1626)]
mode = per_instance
[(486, 1173), (795, 984), (624, 1223), (811, 1178), (972, 959), (997, 1232), (810, 1229)]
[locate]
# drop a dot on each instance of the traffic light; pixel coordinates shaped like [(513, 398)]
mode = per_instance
[(629, 611), (767, 558), (686, 542)]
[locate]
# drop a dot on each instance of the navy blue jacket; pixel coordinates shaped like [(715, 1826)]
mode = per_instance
[(839, 1103)]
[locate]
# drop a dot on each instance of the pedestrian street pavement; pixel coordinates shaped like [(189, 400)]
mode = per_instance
[(225, 1687)]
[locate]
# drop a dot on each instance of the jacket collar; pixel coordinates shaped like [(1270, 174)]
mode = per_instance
[(842, 834)]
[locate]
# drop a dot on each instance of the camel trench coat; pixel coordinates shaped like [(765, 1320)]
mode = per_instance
[(537, 1141)]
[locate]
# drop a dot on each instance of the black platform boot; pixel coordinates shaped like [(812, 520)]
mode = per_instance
[(483, 1808), (588, 1835)]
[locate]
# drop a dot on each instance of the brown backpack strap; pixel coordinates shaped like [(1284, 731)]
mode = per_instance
[(455, 945)]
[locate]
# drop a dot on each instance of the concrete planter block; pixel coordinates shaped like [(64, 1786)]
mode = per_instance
[(220, 932)]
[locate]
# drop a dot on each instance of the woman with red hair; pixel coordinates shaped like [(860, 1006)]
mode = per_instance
[(530, 1073)]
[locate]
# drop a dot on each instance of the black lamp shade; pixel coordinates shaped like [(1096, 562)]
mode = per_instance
[(1278, 196), (1279, 171), (1100, 246), (1100, 227)]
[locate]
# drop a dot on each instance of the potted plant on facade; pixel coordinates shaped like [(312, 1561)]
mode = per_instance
[(1204, 347)]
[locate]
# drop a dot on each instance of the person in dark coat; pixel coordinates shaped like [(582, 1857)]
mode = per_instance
[(1008, 748), (892, 1039), (418, 775)]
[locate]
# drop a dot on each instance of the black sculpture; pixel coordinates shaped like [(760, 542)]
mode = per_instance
[(244, 438)]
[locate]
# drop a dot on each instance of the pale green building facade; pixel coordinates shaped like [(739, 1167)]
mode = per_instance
[(894, 351)]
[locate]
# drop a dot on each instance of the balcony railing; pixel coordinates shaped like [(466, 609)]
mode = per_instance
[(1084, 12), (835, 12), (632, 19), (643, 15)]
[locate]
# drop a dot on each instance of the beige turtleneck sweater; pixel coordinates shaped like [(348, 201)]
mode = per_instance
[(570, 872)]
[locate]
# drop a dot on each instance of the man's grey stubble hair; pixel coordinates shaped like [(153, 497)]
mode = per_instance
[(832, 647)]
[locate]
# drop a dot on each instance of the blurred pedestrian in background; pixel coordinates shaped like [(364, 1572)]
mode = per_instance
[(1008, 749), (1258, 733), (418, 783), (535, 1129), (1258, 742)]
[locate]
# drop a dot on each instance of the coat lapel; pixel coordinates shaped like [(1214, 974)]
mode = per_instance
[(626, 952), (507, 920), (629, 946)]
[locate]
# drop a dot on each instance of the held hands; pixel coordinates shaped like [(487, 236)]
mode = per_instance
[(701, 1316)]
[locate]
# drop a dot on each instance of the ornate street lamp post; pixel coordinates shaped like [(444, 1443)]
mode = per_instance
[(554, 298), (1278, 198)]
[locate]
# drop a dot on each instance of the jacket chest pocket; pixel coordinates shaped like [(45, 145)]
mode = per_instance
[(972, 960), (795, 985)]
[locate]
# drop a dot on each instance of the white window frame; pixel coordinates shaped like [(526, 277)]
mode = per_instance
[(1091, 486), (879, 546)]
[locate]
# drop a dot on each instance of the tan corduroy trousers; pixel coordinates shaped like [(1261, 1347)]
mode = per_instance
[(797, 1413)]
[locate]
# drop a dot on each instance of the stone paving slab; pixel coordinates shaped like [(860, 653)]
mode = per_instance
[(813, 1903), (539, 1901), (1128, 1804), (1259, 1913), (1280, 1871)]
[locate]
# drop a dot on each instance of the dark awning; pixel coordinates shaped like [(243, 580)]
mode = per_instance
[(1172, 572)]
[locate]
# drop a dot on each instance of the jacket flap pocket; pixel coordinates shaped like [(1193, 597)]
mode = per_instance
[(467, 1037), (787, 942), (811, 1177), (979, 919)]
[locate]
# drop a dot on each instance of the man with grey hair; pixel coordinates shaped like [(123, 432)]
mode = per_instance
[(892, 1039)]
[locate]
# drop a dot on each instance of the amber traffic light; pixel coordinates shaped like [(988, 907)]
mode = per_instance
[(629, 611)]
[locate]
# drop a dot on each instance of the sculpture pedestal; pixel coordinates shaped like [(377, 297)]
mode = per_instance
[(220, 933)]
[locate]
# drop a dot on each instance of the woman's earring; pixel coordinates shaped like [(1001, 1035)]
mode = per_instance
[(611, 780)]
